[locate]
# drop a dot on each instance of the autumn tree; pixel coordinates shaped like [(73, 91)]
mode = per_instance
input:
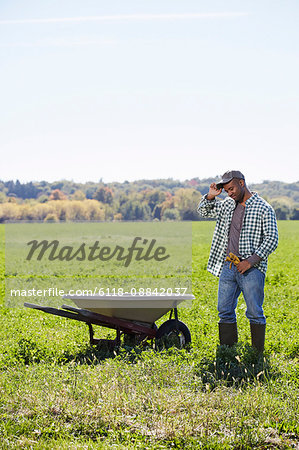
[(186, 201), (78, 195), (104, 195), (57, 194)]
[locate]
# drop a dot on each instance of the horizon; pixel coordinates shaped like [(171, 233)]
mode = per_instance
[(140, 179)]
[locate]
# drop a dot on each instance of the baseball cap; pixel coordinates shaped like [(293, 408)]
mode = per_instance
[(228, 176)]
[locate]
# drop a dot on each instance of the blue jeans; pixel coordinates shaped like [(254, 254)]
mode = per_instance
[(231, 284)]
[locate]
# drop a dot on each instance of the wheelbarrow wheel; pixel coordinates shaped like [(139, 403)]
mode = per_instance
[(172, 333)]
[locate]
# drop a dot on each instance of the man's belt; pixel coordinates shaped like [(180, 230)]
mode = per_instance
[(234, 259)]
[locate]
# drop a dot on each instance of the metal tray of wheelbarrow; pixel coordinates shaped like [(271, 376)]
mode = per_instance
[(135, 308)]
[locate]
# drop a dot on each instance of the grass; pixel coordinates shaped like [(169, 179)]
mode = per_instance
[(58, 392)]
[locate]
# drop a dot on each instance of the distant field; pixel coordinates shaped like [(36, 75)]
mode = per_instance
[(57, 392)]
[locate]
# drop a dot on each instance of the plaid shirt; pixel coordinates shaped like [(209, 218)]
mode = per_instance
[(258, 235)]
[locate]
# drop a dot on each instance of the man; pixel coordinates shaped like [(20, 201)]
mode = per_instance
[(246, 226)]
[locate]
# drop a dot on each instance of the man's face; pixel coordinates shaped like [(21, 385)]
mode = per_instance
[(235, 189)]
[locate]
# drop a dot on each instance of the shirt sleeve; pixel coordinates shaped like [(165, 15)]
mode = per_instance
[(209, 208), (254, 259), (270, 234)]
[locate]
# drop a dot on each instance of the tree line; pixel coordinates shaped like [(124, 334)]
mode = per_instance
[(161, 199)]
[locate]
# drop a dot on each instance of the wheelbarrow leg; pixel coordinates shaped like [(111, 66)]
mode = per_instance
[(117, 337), (91, 339)]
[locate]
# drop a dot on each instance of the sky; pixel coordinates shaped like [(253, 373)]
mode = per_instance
[(146, 89)]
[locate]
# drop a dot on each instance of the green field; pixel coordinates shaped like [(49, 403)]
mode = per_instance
[(58, 392)]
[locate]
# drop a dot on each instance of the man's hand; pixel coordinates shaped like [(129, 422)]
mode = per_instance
[(243, 266), (213, 192)]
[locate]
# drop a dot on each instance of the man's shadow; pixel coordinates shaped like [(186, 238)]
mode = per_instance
[(236, 366)]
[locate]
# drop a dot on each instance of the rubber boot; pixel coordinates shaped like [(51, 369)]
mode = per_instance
[(228, 333), (258, 336)]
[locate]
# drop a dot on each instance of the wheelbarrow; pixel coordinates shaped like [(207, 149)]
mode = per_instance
[(132, 316)]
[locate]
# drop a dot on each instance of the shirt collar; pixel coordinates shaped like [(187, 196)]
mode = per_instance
[(251, 199)]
